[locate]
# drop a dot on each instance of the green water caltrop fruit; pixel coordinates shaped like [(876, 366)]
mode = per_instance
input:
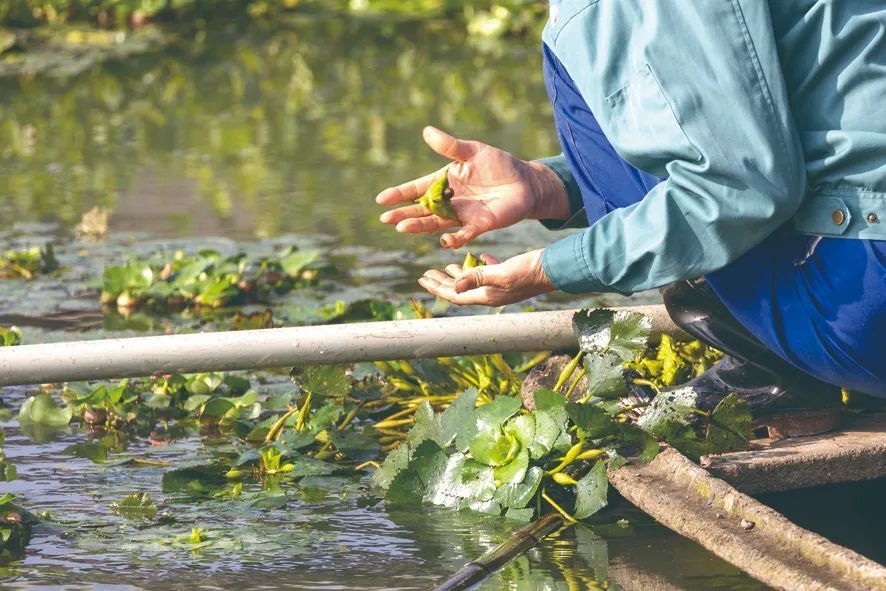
[(472, 262), (437, 199)]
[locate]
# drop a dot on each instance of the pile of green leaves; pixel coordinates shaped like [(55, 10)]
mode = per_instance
[(27, 263), (207, 279), (500, 458)]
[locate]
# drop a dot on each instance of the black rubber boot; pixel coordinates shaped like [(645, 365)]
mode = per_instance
[(787, 401)]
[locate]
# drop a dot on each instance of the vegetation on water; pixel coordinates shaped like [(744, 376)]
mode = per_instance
[(26, 263), (448, 432), (208, 279)]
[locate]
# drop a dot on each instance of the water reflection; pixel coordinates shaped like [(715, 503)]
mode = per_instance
[(258, 132)]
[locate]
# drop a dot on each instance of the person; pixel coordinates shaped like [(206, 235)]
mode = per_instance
[(732, 152)]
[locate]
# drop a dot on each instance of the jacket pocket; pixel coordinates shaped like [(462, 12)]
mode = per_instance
[(644, 128)]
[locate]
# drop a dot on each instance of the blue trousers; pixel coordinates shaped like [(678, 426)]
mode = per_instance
[(820, 303)]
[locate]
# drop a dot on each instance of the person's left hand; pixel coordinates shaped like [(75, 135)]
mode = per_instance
[(495, 284)]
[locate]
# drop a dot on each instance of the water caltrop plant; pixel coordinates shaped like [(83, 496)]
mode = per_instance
[(207, 279), (503, 459)]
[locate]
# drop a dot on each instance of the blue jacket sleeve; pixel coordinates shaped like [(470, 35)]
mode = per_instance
[(691, 91)]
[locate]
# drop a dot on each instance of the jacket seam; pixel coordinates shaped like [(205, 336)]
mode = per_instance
[(758, 70)]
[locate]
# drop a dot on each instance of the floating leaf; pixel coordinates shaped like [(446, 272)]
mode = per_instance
[(43, 410), (135, 506), (358, 446), (590, 492)]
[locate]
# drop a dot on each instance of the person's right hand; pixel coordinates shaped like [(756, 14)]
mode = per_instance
[(492, 189)]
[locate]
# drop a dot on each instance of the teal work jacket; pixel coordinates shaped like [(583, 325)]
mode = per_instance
[(756, 112)]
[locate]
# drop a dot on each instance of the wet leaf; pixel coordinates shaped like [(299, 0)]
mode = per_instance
[(198, 480), (43, 410), (590, 492), (495, 413), (605, 375), (360, 447), (514, 471), (624, 333), (458, 422), (592, 420), (520, 494), (731, 425), (135, 506)]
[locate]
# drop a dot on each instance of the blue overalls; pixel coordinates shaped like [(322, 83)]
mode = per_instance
[(820, 303)]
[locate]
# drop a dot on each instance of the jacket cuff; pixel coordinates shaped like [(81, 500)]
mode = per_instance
[(563, 263), (577, 218)]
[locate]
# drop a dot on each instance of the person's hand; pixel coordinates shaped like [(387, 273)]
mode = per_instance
[(492, 189), (495, 284)]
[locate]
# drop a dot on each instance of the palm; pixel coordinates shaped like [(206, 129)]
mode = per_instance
[(492, 189)]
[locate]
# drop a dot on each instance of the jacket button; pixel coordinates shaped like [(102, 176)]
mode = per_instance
[(838, 217), (873, 218)]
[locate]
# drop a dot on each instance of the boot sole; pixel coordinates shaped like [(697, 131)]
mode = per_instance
[(801, 423)]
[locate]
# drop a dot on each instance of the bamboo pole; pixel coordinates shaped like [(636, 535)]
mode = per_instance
[(475, 572), (284, 347), (737, 528)]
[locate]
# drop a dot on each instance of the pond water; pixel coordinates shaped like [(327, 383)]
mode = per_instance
[(253, 138)]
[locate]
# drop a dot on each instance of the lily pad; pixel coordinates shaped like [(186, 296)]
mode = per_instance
[(43, 410)]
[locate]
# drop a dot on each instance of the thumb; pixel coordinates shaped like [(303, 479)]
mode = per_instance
[(490, 275), (448, 146)]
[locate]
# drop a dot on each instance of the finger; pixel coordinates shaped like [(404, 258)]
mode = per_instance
[(484, 296), (489, 259), (488, 276), (430, 223), (449, 146), (409, 191), (460, 238), (454, 270), (438, 276), (440, 289), (402, 213)]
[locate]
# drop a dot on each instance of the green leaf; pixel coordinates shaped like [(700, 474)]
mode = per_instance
[(459, 421), (322, 380), (547, 432), (463, 481), (605, 375), (514, 471), (521, 494), (360, 447), (629, 334), (427, 426), (96, 452), (590, 492), (647, 445), (521, 515), (592, 420), (549, 401), (494, 448), (199, 480), (592, 329), (425, 469), (42, 410), (307, 466), (216, 408), (297, 261), (495, 413), (522, 427), (203, 383), (135, 506), (624, 333), (6, 498), (730, 426), (668, 413), (396, 460)]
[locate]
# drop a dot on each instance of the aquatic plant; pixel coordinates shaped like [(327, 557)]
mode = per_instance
[(207, 279), (498, 457), (27, 263)]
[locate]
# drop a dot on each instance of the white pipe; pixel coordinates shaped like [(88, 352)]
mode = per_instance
[(282, 347)]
